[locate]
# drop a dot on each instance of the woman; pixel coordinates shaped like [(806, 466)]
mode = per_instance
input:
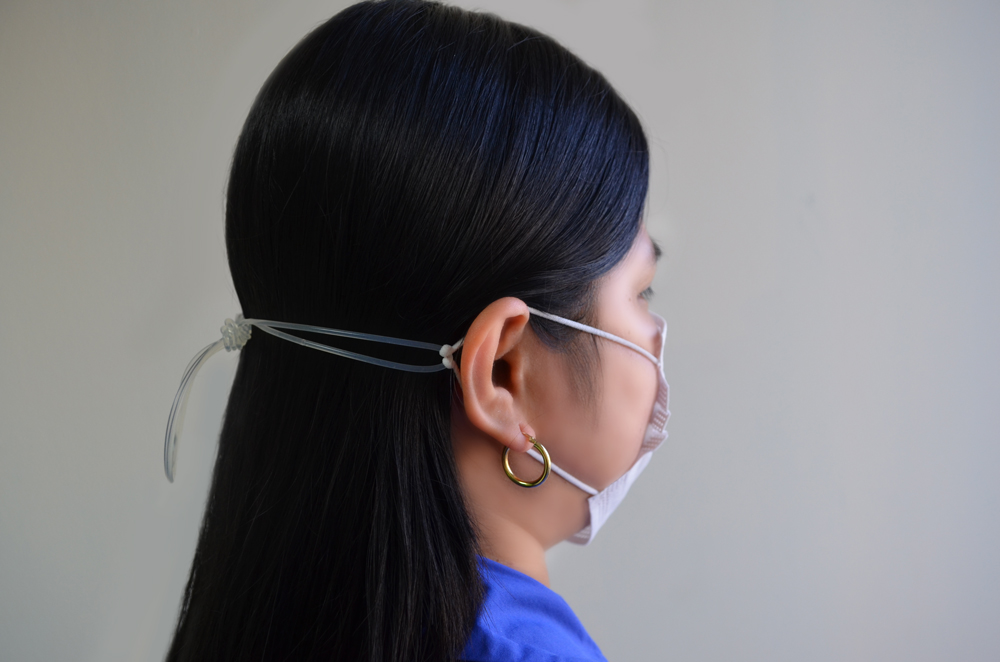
[(413, 174)]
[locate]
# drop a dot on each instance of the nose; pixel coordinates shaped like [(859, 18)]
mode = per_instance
[(659, 336)]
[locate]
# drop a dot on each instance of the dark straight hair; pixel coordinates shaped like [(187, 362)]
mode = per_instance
[(404, 166)]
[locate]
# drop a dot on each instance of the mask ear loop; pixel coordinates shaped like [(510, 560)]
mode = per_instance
[(596, 332), (570, 478), (573, 480)]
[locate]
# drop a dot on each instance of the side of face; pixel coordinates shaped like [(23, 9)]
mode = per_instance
[(512, 384), (598, 439)]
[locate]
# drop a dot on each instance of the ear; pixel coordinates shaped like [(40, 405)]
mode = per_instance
[(492, 369)]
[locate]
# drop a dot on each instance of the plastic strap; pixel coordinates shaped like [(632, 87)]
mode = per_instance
[(176, 421), (272, 328), (235, 335)]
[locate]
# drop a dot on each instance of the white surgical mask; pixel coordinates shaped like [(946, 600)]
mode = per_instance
[(602, 503)]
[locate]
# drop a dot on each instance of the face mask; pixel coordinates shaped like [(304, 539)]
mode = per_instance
[(602, 503)]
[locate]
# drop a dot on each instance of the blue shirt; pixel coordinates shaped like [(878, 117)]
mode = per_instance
[(522, 620)]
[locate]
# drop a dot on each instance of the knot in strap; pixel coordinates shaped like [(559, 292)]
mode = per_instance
[(447, 351), (235, 334)]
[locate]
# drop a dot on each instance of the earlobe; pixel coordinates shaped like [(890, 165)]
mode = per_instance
[(492, 391)]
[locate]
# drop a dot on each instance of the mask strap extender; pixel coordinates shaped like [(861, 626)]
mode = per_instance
[(236, 333)]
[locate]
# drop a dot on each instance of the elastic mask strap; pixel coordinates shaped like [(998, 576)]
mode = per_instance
[(570, 478), (596, 332)]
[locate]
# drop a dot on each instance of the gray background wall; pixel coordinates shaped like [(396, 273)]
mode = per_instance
[(826, 184)]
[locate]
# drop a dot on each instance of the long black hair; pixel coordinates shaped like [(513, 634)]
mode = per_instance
[(405, 165)]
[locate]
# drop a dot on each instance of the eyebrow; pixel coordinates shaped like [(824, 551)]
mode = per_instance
[(657, 251)]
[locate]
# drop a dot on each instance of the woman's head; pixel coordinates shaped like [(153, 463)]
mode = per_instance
[(406, 165)]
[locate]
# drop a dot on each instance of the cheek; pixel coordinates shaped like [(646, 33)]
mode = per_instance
[(596, 442), (629, 392)]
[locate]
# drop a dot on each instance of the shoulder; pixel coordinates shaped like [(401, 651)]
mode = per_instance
[(522, 620)]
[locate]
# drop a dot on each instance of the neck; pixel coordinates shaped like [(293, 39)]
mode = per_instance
[(513, 548)]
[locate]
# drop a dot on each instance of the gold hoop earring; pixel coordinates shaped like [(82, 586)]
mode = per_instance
[(546, 465)]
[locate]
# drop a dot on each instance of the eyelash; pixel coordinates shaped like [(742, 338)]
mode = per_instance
[(647, 294)]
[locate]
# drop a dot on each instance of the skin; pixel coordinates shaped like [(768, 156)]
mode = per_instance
[(513, 385)]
